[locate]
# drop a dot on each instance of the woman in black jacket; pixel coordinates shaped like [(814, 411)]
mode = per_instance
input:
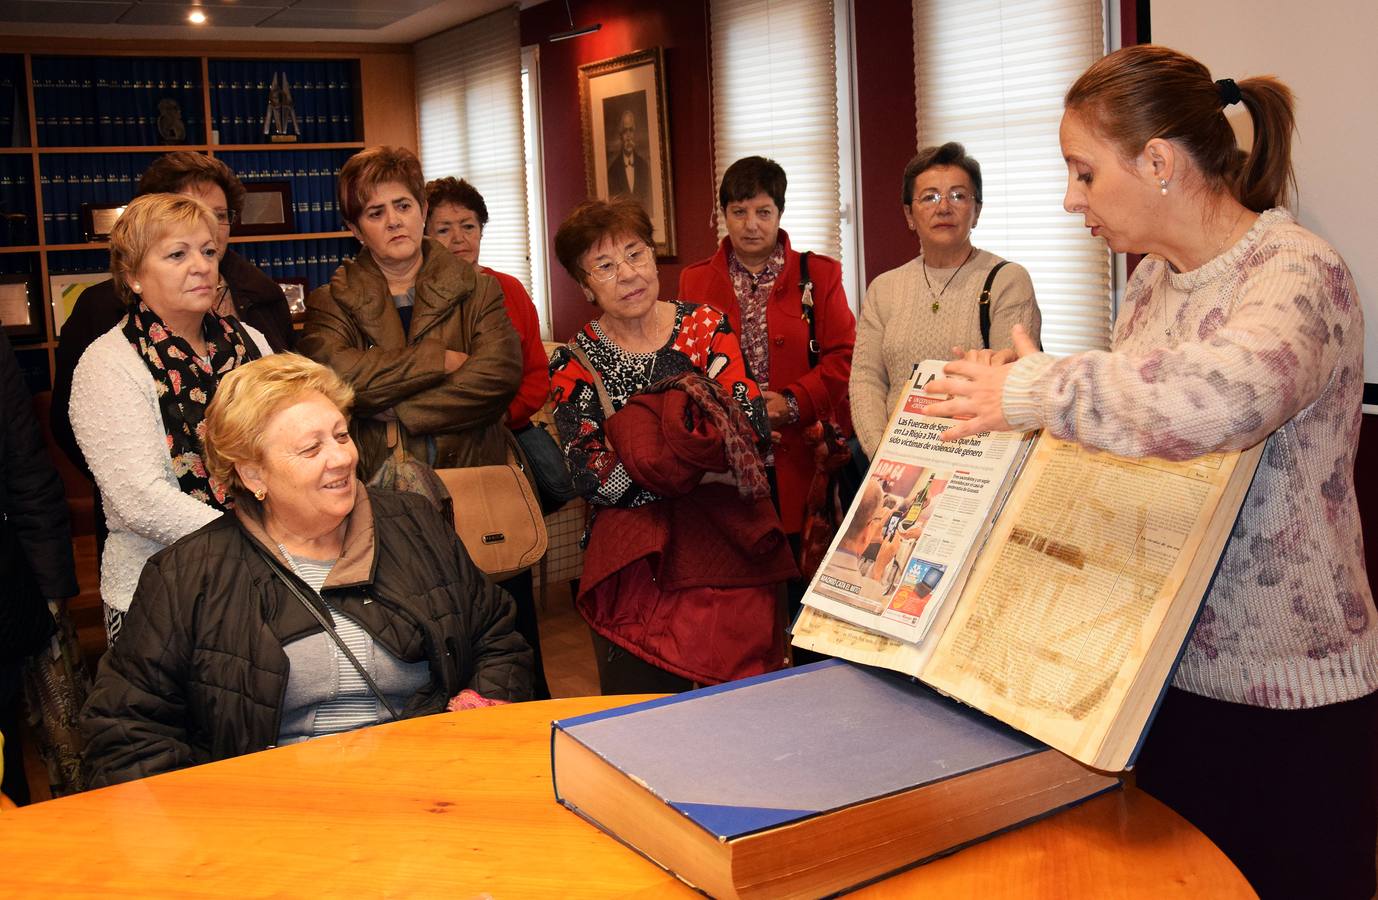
[(224, 650), (36, 577)]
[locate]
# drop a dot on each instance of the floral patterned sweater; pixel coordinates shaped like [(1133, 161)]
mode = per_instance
[(701, 340), (1264, 342)]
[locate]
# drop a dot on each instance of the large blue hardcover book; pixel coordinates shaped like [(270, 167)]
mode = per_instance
[(807, 781)]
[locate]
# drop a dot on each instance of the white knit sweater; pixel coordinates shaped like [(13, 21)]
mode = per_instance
[(117, 422), (898, 328), (1266, 341)]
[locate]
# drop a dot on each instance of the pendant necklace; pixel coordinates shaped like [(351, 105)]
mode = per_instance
[(923, 262)]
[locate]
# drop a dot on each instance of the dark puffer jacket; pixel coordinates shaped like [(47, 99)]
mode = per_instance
[(199, 671)]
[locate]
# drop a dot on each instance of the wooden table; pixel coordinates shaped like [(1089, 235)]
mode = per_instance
[(460, 805)]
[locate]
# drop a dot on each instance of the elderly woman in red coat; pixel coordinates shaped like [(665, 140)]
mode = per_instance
[(661, 426), (756, 279)]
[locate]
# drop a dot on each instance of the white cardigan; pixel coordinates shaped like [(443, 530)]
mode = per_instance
[(115, 417)]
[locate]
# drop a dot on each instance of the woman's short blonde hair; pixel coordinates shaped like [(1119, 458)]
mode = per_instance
[(252, 394), (145, 221)]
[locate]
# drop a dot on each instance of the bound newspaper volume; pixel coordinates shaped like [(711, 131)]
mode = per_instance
[(1040, 582)]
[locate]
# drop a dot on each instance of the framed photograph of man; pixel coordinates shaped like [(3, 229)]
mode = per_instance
[(627, 137)]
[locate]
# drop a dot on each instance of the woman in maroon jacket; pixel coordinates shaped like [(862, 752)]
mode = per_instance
[(755, 279)]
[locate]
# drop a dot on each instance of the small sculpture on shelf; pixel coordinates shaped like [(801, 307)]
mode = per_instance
[(170, 126), (280, 111)]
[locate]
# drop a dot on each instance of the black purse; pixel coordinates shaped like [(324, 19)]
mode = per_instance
[(554, 487)]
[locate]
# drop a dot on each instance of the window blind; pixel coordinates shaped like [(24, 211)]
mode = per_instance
[(775, 95), (469, 99), (991, 74)]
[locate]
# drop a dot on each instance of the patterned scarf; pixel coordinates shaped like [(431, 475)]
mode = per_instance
[(753, 296), (186, 383)]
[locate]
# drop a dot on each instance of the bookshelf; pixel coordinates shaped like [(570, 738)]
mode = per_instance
[(79, 124)]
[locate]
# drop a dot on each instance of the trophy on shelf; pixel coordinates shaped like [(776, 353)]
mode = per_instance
[(171, 129), (280, 111)]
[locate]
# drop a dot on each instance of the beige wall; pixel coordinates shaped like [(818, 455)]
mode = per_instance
[(1325, 52)]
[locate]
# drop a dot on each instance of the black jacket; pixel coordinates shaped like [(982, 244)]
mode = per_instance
[(258, 301), (35, 537), (199, 672)]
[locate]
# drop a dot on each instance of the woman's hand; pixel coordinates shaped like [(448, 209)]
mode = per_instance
[(985, 357), (777, 410), (977, 394)]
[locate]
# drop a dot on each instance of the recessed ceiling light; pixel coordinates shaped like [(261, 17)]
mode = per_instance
[(196, 17)]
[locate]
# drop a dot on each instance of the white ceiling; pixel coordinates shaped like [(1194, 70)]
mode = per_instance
[(373, 21)]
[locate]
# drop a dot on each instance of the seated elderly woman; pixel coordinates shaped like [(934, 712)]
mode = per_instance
[(141, 390), (231, 644), (936, 301), (661, 426)]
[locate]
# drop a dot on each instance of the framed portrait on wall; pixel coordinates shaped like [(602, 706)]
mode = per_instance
[(627, 136)]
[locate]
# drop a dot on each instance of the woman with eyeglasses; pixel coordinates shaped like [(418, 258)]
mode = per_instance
[(140, 391), (245, 291), (932, 304), (649, 586)]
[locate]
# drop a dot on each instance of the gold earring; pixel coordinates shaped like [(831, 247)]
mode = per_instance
[(260, 494)]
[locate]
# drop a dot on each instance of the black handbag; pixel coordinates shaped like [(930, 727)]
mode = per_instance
[(554, 487)]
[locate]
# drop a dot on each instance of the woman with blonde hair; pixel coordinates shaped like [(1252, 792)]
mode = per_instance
[(317, 606), (140, 391), (1239, 326)]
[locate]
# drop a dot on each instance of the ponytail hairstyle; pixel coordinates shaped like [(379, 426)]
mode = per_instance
[(1146, 91)]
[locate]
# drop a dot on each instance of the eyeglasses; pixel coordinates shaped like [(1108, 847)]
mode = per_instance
[(226, 216), (639, 259), (956, 196)]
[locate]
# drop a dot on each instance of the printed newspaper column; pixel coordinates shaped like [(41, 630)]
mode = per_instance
[(907, 543)]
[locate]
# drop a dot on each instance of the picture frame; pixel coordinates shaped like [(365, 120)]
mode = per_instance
[(63, 291), (98, 218), (21, 313), (295, 290), (267, 209), (625, 119)]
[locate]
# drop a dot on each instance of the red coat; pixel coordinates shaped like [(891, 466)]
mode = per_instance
[(535, 386), (689, 582), (822, 390)]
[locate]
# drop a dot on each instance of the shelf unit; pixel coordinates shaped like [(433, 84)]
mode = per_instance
[(383, 100)]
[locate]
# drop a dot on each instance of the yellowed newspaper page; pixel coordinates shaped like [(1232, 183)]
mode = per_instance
[(905, 546), (1068, 601)]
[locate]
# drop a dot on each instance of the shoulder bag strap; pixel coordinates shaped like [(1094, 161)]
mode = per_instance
[(603, 397), (984, 303), (329, 629), (806, 306)]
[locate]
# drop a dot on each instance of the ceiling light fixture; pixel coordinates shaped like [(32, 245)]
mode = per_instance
[(574, 32), (196, 17)]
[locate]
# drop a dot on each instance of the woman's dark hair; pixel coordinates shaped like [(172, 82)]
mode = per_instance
[(363, 172), (171, 172), (1147, 91), (949, 154), (593, 220), (457, 191), (752, 175)]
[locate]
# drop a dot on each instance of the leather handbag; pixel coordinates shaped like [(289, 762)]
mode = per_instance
[(493, 508), (554, 487), (497, 516)]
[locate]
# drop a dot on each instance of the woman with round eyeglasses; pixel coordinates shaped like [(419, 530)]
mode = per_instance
[(649, 635), (931, 304)]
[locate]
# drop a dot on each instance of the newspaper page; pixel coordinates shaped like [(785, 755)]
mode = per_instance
[(1069, 599), (906, 544)]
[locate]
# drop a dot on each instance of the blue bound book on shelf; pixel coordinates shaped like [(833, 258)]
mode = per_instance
[(807, 781)]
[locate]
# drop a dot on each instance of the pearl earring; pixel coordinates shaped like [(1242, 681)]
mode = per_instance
[(138, 288), (1162, 186)]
